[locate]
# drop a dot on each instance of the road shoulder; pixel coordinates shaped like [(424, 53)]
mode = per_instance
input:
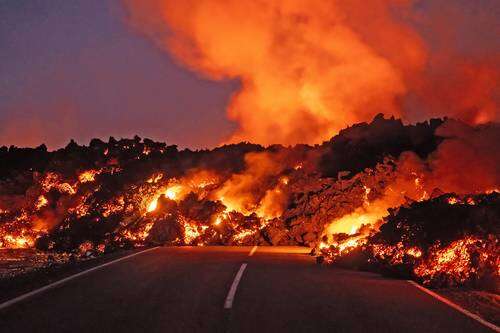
[(14, 286)]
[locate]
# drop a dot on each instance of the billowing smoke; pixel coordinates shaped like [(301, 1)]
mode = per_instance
[(466, 161), (309, 68), (471, 151), (243, 191)]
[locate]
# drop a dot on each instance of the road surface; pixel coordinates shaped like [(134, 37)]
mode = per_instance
[(185, 289)]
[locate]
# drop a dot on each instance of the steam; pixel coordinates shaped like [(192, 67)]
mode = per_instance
[(468, 160), (253, 187), (309, 69)]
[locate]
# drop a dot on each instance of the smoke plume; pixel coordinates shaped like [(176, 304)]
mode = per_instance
[(308, 69)]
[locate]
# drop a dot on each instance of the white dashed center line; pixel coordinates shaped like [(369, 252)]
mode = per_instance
[(252, 251), (228, 304)]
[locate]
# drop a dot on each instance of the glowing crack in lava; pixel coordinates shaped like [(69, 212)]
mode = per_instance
[(172, 193)]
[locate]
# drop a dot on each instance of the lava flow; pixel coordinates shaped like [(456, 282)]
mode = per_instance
[(380, 195)]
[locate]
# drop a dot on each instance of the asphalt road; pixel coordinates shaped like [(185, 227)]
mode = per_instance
[(184, 289)]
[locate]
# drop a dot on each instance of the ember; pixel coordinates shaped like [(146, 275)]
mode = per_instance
[(88, 176)]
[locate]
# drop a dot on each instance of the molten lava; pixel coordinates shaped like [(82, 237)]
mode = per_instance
[(354, 195)]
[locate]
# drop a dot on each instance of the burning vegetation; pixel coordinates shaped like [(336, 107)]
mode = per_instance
[(419, 201)]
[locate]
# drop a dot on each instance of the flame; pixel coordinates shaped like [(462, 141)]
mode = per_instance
[(138, 235), (453, 260), (152, 205), (16, 241), (240, 236), (395, 254), (193, 231), (367, 192), (369, 216), (414, 252), (41, 202), (258, 188), (220, 218), (323, 245), (116, 206), (53, 180), (341, 245), (155, 178), (88, 176), (218, 221), (172, 192), (271, 205)]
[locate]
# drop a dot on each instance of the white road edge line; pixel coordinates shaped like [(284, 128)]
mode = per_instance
[(456, 307), (253, 250), (232, 291), (69, 278)]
